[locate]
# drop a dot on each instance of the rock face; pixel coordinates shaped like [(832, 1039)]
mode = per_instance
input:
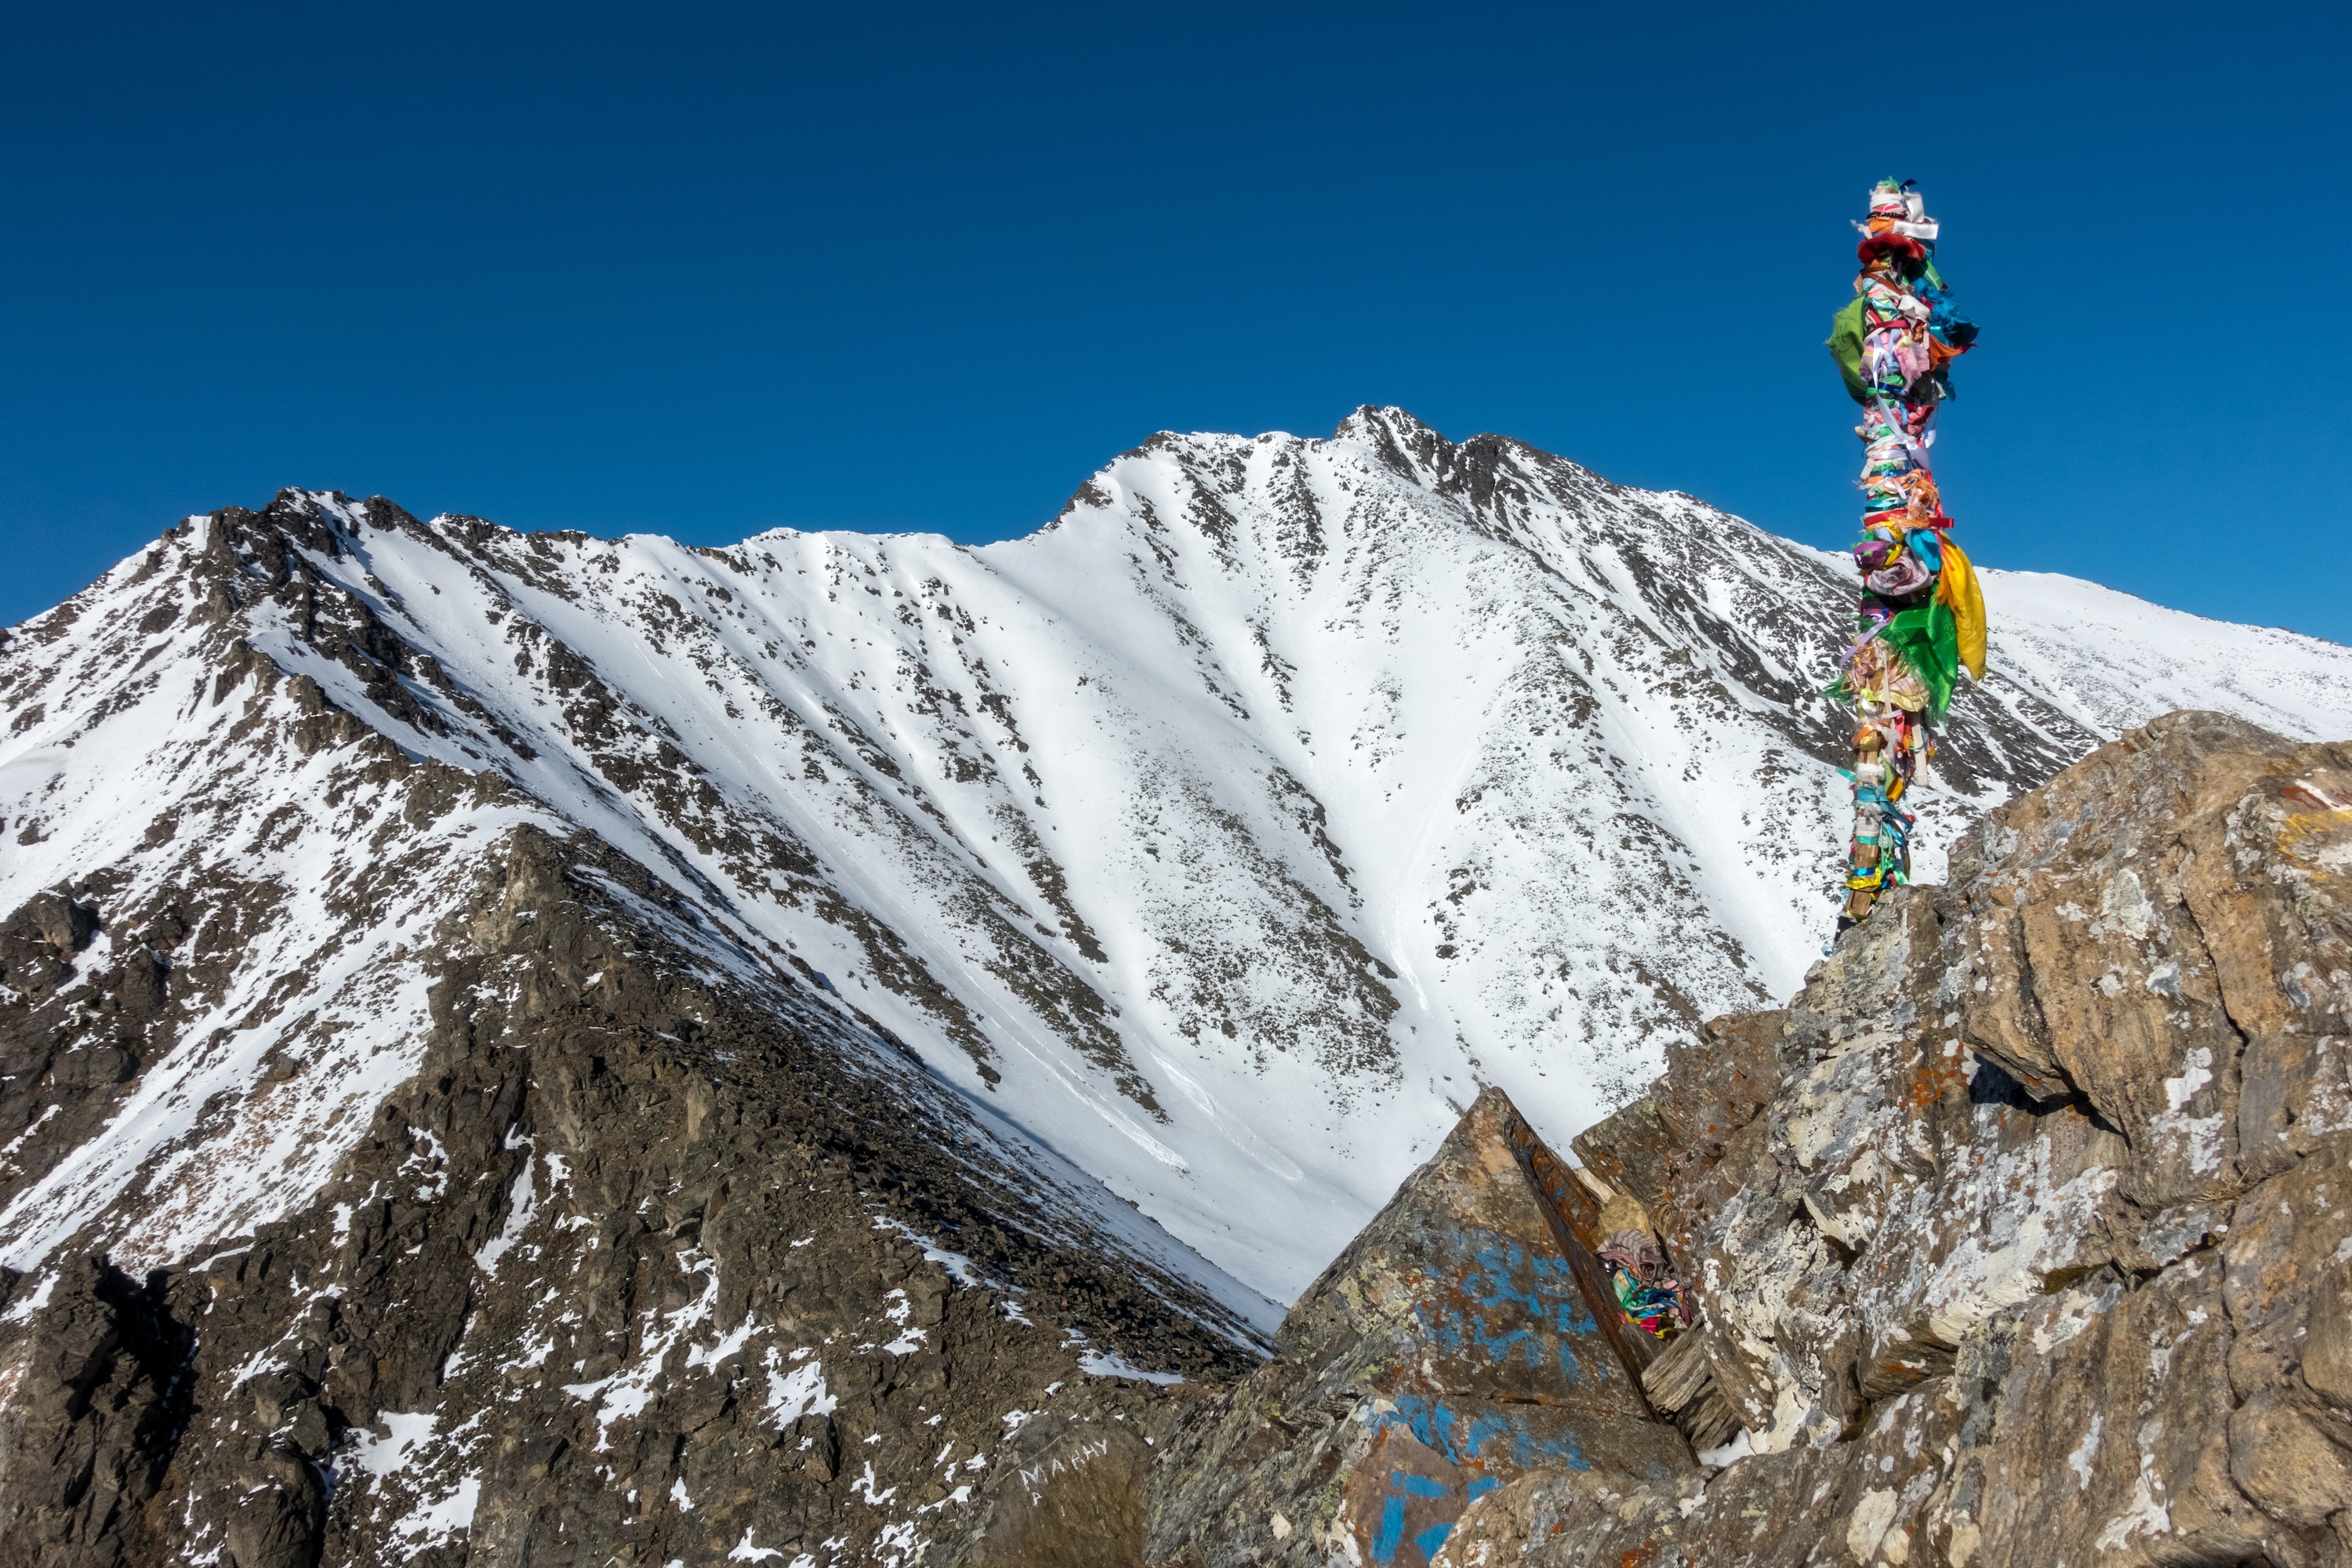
[(2021, 1236), (1455, 1346), (650, 1261), (90, 1410)]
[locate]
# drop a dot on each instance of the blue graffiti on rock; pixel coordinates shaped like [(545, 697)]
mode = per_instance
[(1507, 1303), (1491, 1434), (1403, 1485)]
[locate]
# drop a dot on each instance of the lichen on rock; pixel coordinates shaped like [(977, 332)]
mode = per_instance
[(2035, 1254)]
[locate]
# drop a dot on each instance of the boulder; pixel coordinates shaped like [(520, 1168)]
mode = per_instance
[(1465, 1339)]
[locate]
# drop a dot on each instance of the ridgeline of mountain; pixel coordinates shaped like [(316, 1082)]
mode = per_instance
[(1225, 834), (659, 1052)]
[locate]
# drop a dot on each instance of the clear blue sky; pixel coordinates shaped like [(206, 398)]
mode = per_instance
[(707, 270)]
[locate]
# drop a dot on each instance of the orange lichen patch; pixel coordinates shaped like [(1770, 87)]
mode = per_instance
[(1935, 1076)]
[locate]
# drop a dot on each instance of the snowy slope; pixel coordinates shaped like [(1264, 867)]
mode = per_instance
[(309, 885), (1228, 833)]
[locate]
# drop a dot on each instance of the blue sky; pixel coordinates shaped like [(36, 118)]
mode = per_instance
[(710, 269)]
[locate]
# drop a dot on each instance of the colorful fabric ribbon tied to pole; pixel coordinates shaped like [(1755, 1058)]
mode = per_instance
[(1921, 619)]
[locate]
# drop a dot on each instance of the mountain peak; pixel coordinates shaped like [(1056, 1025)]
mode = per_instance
[(1373, 420), (1218, 841), (490, 923)]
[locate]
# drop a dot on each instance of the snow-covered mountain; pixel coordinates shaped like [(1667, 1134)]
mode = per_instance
[(1222, 838)]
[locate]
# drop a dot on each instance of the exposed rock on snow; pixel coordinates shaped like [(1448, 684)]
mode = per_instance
[(1218, 835)]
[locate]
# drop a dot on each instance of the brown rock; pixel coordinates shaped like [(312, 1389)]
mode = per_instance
[(1452, 1346), (2038, 1253), (1662, 1147), (1068, 1494)]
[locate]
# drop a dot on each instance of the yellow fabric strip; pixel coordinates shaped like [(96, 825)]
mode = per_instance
[(1957, 588)]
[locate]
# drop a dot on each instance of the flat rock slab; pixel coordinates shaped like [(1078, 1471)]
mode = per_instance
[(1066, 1492), (1457, 1344)]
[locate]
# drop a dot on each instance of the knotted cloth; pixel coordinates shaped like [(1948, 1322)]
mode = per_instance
[(1921, 620)]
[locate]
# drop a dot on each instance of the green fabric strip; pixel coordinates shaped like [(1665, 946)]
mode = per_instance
[(1928, 638), (1845, 347)]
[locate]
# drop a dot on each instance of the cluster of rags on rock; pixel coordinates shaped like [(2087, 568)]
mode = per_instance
[(1647, 1293), (1922, 616)]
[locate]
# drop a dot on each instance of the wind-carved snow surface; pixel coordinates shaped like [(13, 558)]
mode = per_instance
[(1223, 838)]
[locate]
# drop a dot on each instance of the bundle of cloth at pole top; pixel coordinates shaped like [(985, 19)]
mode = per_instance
[(1922, 616)]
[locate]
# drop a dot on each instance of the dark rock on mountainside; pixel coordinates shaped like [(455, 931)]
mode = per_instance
[(61, 1060), (92, 1419), (2035, 1251), (622, 1276)]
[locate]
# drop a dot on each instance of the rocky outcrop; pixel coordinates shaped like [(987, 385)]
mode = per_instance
[(648, 1262), (2034, 1251), (88, 1420), (1463, 1341)]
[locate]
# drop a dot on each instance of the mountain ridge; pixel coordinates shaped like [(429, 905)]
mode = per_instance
[(525, 1045), (1277, 794)]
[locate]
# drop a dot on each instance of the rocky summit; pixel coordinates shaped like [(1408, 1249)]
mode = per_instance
[(2033, 1247), (2021, 1236), (530, 1049)]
